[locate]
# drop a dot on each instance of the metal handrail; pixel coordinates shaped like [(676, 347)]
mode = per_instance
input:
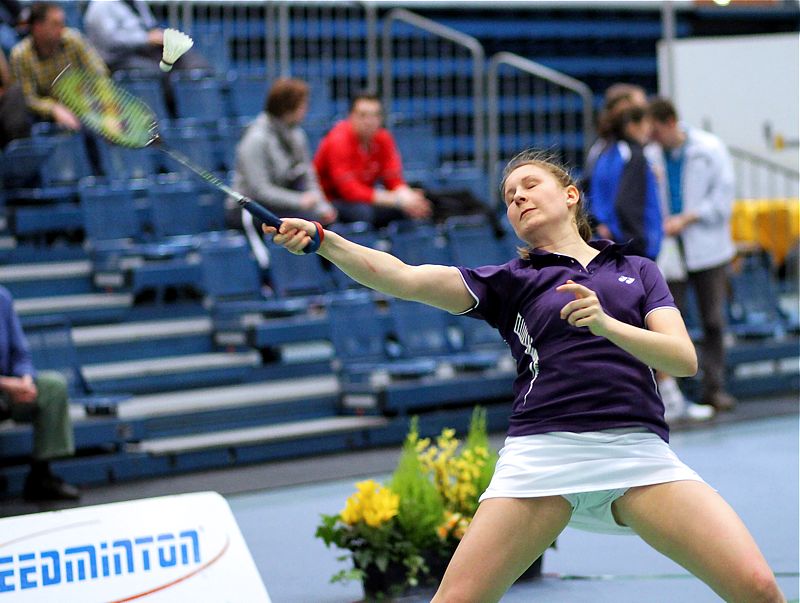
[(791, 177), (540, 71), (437, 29)]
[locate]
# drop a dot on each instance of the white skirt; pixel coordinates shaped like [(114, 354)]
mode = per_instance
[(562, 463)]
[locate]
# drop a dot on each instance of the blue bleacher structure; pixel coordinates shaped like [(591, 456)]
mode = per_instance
[(52, 348), (199, 97), (249, 366), (247, 91), (754, 307), (147, 88), (473, 242), (418, 243)]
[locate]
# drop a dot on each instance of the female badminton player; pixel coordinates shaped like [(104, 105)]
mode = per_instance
[(587, 442)]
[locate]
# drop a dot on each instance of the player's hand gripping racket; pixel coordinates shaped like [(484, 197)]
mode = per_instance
[(123, 119)]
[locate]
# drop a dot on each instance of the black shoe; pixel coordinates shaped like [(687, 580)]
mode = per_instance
[(49, 487)]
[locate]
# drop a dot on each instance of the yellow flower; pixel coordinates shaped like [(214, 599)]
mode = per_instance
[(371, 503)]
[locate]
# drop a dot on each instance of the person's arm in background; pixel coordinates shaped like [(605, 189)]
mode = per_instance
[(715, 204), (113, 28), (19, 383), (410, 201)]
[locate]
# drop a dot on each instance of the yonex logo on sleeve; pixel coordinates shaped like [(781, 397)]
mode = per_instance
[(626, 279)]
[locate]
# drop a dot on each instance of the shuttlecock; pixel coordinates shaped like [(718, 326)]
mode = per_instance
[(176, 43)]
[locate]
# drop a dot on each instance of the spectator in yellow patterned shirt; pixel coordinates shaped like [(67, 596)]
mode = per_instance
[(43, 54)]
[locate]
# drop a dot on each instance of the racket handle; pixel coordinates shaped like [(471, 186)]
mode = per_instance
[(270, 219)]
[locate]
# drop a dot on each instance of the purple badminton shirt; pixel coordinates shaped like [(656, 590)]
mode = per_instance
[(567, 378)]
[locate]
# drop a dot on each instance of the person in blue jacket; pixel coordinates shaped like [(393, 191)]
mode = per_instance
[(625, 197), (34, 397)]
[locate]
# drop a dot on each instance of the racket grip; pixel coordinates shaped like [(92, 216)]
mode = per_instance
[(270, 219)]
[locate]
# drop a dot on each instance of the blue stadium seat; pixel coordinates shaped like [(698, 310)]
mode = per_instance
[(109, 212), (52, 348), (754, 309), (424, 331), (175, 206), (417, 145), (473, 243), (418, 243), (22, 162), (199, 97), (229, 269), (121, 163), (359, 337), (297, 275), (246, 93), (66, 163), (196, 143), (148, 88)]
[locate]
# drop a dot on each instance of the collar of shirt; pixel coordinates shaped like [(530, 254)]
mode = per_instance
[(541, 257)]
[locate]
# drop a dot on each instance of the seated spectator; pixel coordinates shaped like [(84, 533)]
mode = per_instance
[(625, 199), (43, 54), (12, 15), (38, 399), (355, 157), (14, 119), (127, 36), (273, 164)]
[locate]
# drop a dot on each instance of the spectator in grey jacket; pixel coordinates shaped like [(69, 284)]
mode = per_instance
[(699, 193), (273, 163)]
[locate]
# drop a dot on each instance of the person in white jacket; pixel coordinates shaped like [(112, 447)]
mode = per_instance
[(128, 36), (699, 194)]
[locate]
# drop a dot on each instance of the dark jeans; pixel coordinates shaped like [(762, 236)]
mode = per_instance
[(15, 121), (377, 215), (711, 290)]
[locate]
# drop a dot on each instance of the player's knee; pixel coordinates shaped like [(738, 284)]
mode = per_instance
[(762, 588)]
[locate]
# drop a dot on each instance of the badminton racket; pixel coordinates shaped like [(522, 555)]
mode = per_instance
[(125, 120)]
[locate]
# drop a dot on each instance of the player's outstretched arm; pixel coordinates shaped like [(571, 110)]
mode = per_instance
[(439, 286)]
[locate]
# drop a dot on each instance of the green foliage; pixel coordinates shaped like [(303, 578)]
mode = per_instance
[(421, 507), (478, 439)]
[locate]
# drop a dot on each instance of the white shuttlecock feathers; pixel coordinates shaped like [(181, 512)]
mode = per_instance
[(176, 43)]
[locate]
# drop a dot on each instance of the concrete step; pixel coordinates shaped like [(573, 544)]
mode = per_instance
[(45, 271), (257, 435), (61, 304), (217, 398), (140, 331), (169, 365)]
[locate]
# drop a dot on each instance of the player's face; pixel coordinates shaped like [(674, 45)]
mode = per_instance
[(366, 118), (536, 200)]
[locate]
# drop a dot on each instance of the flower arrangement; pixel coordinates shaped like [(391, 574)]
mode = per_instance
[(402, 534)]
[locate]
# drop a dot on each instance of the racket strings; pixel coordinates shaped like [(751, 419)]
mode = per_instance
[(106, 108)]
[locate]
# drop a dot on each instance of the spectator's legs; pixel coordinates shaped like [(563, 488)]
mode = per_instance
[(15, 121), (711, 289), (376, 215), (53, 436)]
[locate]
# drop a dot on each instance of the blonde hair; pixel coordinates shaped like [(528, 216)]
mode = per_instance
[(548, 161)]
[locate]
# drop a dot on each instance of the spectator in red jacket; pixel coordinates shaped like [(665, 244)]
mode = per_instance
[(360, 170)]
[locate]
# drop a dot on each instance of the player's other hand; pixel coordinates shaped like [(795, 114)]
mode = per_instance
[(294, 234), (585, 310)]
